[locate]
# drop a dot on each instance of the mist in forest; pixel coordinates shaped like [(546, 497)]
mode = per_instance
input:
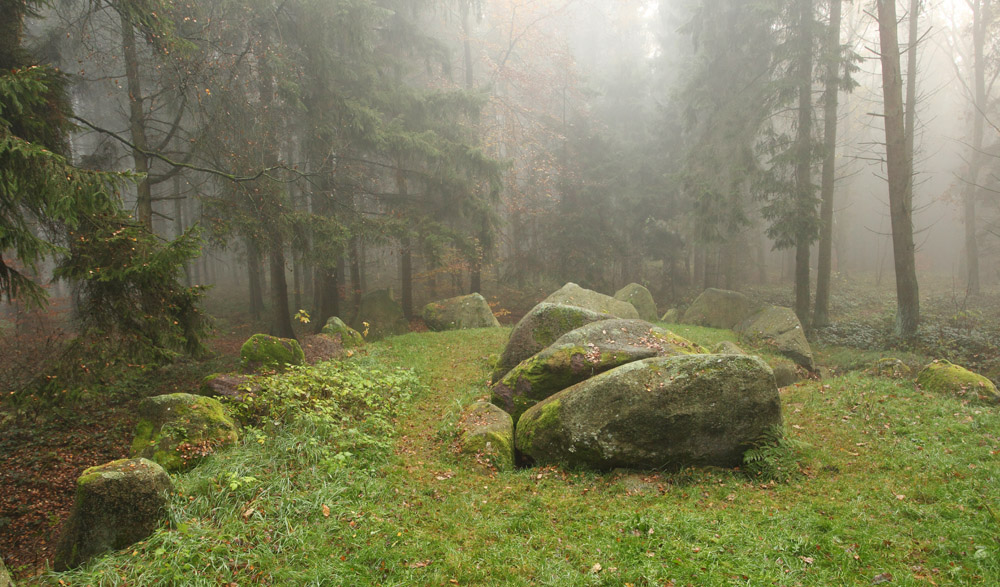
[(323, 150)]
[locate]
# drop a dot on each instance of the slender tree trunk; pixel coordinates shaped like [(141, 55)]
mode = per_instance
[(136, 125), (282, 320), (329, 296), (821, 311), (900, 169), (254, 279), (803, 167), (357, 288), (981, 18), (406, 276)]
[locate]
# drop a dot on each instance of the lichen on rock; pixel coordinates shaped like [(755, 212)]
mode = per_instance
[(263, 351), (487, 433), (947, 378), (348, 337), (469, 311), (178, 429), (641, 300)]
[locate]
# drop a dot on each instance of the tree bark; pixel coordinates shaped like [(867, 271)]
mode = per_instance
[(803, 167), (981, 18), (282, 320), (824, 270), (899, 168), (136, 125), (254, 279)]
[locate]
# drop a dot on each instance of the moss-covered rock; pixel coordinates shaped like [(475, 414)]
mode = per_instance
[(778, 327), (470, 311), (719, 308), (572, 294), (538, 329), (641, 300), (348, 337), (177, 429), (228, 385), (786, 372), (728, 347), (664, 412), (487, 433), (890, 367), (947, 378), (383, 315), (263, 351), (116, 505), (671, 316), (580, 354), (5, 580)]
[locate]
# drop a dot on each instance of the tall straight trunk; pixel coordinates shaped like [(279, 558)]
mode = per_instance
[(406, 276), (255, 280), (821, 311), (281, 319), (11, 33), (899, 167), (357, 288), (329, 296), (137, 125), (981, 19), (803, 165)]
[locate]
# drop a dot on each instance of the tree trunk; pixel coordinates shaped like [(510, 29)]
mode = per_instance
[(136, 125), (329, 296), (357, 288), (981, 19), (899, 167), (406, 276), (803, 166), (255, 280), (821, 311), (281, 319)]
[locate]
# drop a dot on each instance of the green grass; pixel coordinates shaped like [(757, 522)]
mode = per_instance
[(891, 481)]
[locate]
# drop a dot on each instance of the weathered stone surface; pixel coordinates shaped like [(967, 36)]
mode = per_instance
[(116, 505), (5, 580), (538, 329), (890, 367), (780, 328), (383, 314), (487, 433), (719, 308), (786, 373), (728, 347), (664, 412), (348, 337), (641, 300), (581, 354), (471, 311), (228, 385), (177, 429), (572, 294), (266, 352), (947, 378), (671, 316)]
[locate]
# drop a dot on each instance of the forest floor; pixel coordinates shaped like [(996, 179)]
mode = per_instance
[(891, 485)]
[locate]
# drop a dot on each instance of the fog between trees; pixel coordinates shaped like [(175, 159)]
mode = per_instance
[(323, 149)]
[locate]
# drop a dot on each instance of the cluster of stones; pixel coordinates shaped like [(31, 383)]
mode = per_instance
[(585, 381)]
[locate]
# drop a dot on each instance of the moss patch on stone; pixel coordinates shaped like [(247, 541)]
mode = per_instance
[(263, 351), (349, 338), (487, 434), (178, 429), (641, 300), (947, 378), (469, 311)]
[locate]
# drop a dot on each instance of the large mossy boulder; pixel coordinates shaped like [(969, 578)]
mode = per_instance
[(664, 412), (572, 294), (380, 315), (947, 378), (177, 429), (719, 308), (778, 327), (487, 433), (580, 354), (348, 337), (232, 386), (470, 311), (266, 352), (641, 300), (116, 505), (538, 329), (5, 580)]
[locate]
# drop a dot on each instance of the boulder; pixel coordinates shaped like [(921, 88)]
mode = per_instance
[(538, 329), (228, 385), (116, 505), (890, 367), (320, 347), (671, 316), (719, 308), (778, 327), (5, 580), (383, 315), (177, 429), (581, 354), (487, 433), (728, 347), (471, 311), (664, 412), (348, 337), (947, 378), (786, 373), (266, 352), (572, 294), (641, 300)]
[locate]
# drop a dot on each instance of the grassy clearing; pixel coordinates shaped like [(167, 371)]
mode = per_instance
[(893, 484)]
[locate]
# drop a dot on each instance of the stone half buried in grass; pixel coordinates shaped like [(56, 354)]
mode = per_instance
[(348, 337), (779, 327), (263, 351), (947, 378), (641, 300), (539, 328), (5, 580), (487, 434), (719, 308), (116, 505), (470, 311), (582, 353), (659, 413), (178, 429), (572, 294), (380, 315)]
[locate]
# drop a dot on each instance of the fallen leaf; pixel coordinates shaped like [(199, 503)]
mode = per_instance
[(596, 568), (326, 511), (882, 578)]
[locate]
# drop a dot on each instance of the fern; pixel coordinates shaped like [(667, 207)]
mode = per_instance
[(773, 456)]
